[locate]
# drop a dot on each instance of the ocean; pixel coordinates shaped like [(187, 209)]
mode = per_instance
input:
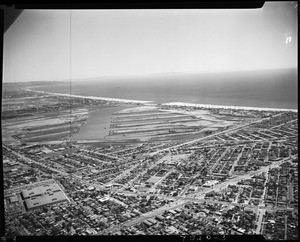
[(263, 88)]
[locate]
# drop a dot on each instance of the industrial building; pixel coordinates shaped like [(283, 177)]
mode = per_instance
[(40, 190), (153, 180), (42, 195), (46, 199)]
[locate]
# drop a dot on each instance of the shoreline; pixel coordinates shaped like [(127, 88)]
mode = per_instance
[(92, 97), (179, 104), (227, 107)]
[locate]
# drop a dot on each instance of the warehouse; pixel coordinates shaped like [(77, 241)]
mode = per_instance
[(153, 180), (40, 190), (35, 202)]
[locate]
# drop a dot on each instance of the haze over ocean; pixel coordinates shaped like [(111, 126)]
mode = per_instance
[(262, 88)]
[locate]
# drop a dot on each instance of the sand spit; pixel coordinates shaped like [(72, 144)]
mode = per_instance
[(92, 97)]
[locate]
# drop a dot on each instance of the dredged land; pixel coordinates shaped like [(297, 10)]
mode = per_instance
[(148, 168)]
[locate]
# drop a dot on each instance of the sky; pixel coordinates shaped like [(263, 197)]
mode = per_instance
[(69, 44)]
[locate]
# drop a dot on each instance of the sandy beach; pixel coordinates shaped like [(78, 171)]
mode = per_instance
[(92, 97), (171, 103), (229, 107)]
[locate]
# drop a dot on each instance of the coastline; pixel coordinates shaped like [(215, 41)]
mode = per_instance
[(179, 104), (92, 97), (228, 107)]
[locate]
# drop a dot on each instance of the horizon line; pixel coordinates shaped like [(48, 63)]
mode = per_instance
[(153, 74)]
